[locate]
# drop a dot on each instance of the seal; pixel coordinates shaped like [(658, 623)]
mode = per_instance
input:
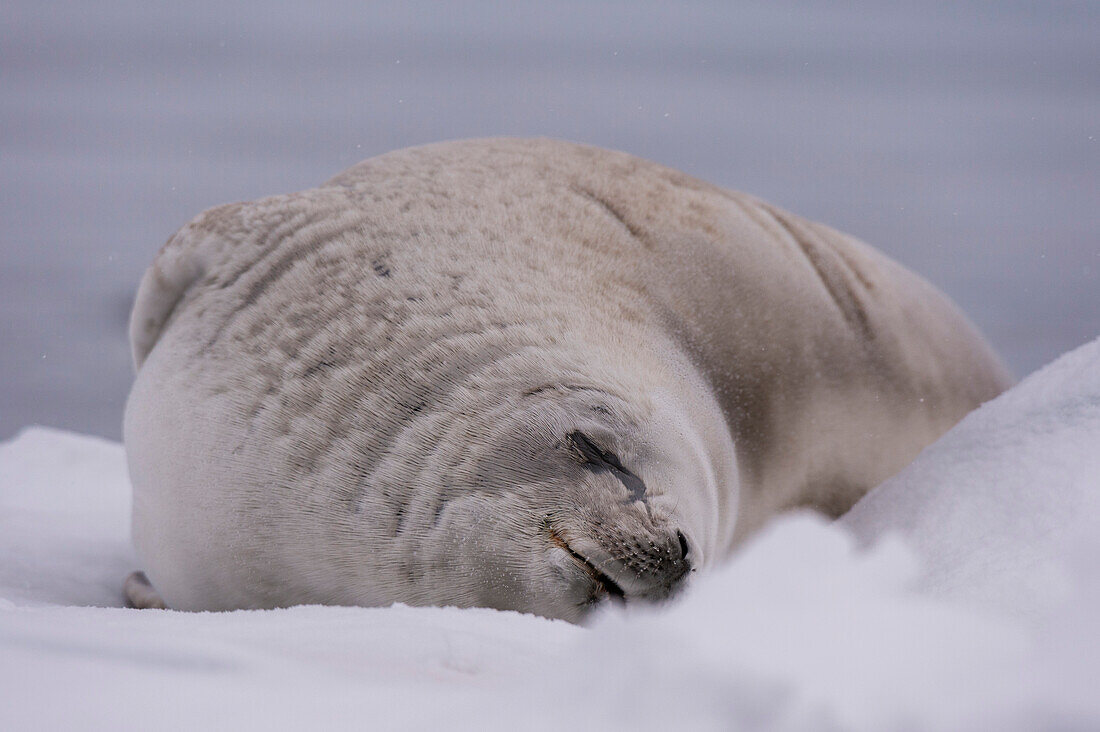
[(520, 374)]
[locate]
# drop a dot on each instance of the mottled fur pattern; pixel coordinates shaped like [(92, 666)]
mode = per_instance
[(363, 393)]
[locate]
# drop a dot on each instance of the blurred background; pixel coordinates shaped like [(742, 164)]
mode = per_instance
[(962, 138)]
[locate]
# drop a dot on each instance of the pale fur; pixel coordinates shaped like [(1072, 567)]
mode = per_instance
[(361, 393)]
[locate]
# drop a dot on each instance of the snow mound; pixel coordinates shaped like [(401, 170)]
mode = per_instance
[(993, 505), (962, 594)]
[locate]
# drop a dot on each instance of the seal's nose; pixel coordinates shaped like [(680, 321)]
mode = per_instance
[(650, 568), (683, 542), (669, 566)]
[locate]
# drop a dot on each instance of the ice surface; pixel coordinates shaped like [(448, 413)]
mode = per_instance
[(962, 594)]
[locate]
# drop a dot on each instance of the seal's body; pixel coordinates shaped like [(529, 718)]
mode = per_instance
[(521, 374)]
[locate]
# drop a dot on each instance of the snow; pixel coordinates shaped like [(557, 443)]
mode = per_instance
[(964, 593), (992, 508)]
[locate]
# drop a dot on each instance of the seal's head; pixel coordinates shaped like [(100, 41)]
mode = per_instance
[(575, 494)]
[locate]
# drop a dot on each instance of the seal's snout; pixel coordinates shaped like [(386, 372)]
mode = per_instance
[(654, 569), (623, 568)]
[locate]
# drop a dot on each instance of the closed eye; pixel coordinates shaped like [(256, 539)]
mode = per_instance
[(599, 460)]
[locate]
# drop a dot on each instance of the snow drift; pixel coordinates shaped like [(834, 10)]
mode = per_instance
[(963, 593)]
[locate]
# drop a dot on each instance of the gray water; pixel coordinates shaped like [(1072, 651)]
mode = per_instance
[(962, 138)]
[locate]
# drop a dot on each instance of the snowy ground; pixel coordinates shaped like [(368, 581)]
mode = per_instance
[(962, 594)]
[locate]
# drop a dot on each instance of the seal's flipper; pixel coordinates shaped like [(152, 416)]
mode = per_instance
[(140, 593)]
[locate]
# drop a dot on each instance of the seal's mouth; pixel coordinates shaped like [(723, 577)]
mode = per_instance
[(605, 586)]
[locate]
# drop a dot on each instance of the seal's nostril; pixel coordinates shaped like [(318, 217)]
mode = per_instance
[(683, 544)]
